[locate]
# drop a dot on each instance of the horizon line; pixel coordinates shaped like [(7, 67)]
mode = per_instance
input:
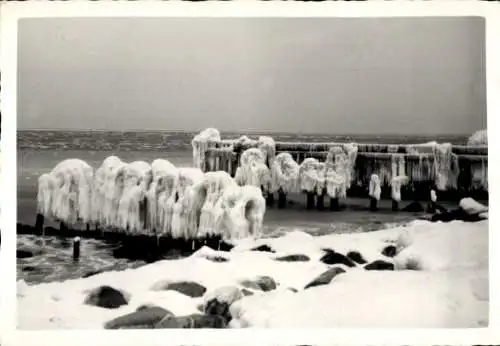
[(247, 131)]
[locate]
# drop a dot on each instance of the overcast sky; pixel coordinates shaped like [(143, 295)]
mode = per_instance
[(332, 75)]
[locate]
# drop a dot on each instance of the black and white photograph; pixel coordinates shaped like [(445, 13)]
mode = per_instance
[(252, 172)]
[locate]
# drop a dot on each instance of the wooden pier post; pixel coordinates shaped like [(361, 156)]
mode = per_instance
[(145, 213), (320, 202), (373, 204), (310, 200), (395, 205), (76, 249), (281, 199), (334, 204), (39, 223), (270, 199)]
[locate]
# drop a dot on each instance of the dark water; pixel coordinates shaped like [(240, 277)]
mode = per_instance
[(180, 141), (39, 151)]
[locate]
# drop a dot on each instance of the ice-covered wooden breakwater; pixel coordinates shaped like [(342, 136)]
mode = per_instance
[(166, 204), (336, 170)]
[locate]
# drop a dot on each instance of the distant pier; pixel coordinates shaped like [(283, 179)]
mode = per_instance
[(418, 161)]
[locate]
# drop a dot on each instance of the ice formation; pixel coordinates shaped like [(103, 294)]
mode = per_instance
[(102, 184), (133, 181), (374, 187), (201, 143), (65, 192), (164, 181), (241, 212), (479, 174), (189, 201), (396, 184), (215, 183), (156, 199), (308, 175), (253, 169), (339, 170), (478, 138), (433, 196), (446, 167), (267, 145), (284, 174)]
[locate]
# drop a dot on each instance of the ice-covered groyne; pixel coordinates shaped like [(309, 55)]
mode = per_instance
[(335, 170), (157, 199)]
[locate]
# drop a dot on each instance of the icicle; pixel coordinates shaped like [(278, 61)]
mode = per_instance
[(479, 175), (321, 178), (396, 184), (401, 166), (374, 188), (394, 166), (200, 145), (446, 166), (215, 183), (433, 196)]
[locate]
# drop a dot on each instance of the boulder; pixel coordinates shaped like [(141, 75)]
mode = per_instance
[(188, 288), (263, 248), (332, 257), (144, 317), (326, 277), (379, 265), (266, 283), (216, 259), (106, 297), (293, 258), (218, 301), (389, 251), (356, 257), (192, 321)]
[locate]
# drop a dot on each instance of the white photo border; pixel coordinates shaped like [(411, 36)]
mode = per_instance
[(11, 12)]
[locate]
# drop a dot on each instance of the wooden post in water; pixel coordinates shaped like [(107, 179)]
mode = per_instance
[(76, 249), (63, 227), (270, 199), (373, 204), (334, 204), (310, 200), (281, 199), (39, 223), (395, 205), (320, 201), (431, 208), (145, 213)]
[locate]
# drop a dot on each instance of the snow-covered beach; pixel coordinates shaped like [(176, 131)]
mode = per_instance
[(405, 273), (440, 279)]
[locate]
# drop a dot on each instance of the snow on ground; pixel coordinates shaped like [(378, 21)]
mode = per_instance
[(449, 287)]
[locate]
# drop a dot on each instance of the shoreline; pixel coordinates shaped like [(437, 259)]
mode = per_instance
[(441, 267)]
